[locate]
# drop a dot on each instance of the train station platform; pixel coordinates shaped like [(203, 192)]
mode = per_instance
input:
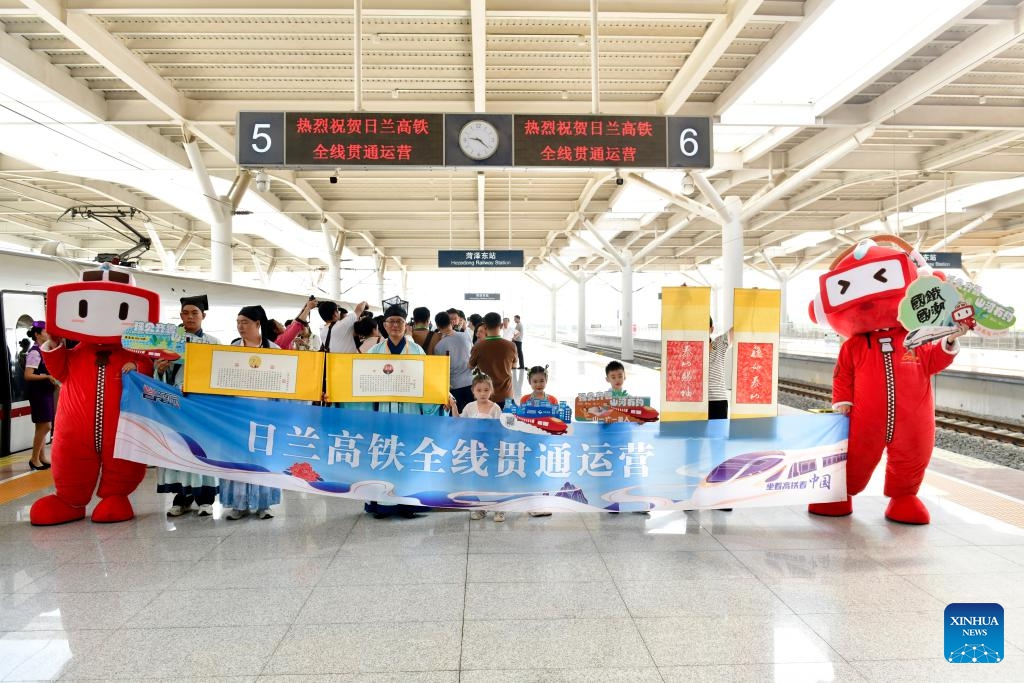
[(323, 592)]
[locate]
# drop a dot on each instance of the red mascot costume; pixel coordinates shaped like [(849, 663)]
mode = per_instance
[(94, 312), (884, 387)]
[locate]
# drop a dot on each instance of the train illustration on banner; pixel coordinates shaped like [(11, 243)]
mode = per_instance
[(763, 474)]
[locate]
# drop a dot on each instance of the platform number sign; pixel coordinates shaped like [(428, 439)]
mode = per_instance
[(689, 142), (260, 138)]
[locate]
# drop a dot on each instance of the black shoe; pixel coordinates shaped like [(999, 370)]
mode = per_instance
[(44, 466)]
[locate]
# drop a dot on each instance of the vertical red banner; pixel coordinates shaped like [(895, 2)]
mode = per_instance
[(684, 366), (754, 373)]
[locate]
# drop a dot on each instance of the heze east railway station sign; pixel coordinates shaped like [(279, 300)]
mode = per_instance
[(333, 140)]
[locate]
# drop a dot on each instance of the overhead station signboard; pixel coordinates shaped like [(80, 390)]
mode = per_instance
[(480, 259), (340, 139), (482, 296), (943, 259)]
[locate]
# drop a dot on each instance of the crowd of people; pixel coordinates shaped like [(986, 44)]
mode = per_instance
[(484, 352)]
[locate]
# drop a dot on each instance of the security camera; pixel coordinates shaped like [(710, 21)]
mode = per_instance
[(262, 182), (618, 179), (333, 180)]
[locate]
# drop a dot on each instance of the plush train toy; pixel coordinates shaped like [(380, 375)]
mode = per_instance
[(884, 387), (93, 312)]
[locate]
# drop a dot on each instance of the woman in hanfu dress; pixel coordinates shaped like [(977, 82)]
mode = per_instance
[(396, 343), (187, 487), (255, 330)]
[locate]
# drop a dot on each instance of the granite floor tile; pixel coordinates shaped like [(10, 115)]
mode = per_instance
[(1005, 589), (284, 572), (70, 611), (733, 639), (605, 675), (168, 548), (700, 597), (673, 566), (110, 576), (368, 647), (278, 545), (809, 564), (880, 635), (966, 559), (14, 577), (536, 567), (361, 570), (553, 644), (935, 669), (375, 677), (196, 651), (505, 541), (248, 607), (844, 594), (557, 600), (989, 532), (394, 602), (816, 672), (45, 655), (660, 539)]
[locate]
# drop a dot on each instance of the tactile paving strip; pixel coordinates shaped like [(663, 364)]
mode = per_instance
[(976, 498)]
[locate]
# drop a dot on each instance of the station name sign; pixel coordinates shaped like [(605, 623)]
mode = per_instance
[(480, 259), (943, 259), (482, 296), (301, 140)]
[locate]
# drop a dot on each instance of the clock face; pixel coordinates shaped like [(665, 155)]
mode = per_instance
[(478, 140)]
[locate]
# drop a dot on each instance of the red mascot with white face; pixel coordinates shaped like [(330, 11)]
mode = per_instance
[(94, 312), (884, 387)]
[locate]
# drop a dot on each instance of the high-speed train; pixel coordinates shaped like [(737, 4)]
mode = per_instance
[(24, 279)]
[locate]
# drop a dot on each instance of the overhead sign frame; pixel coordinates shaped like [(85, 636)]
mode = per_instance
[(311, 140)]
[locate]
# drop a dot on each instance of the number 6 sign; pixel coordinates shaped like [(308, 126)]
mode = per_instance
[(689, 142)]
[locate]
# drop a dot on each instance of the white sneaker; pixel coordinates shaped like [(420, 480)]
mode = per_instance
[(540, 514), (235, 513), (205, 510), (264, 513), (478, 514), (499, 516), (177, 511)]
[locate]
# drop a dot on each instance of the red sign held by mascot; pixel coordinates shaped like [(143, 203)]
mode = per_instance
[(884, 387), (93, 312)]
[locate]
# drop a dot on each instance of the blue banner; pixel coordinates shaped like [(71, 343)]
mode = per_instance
[(466, 463)]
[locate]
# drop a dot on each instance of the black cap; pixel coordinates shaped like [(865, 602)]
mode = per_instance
[(255, 313), (396, 310), (199, 301)]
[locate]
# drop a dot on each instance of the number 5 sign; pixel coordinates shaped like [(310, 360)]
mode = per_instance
[(689, 142), (260, 137)]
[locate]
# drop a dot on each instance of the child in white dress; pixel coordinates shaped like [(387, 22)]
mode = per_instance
[(483, 408)]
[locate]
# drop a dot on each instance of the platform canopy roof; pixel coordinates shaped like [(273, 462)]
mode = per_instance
[(834, 120)]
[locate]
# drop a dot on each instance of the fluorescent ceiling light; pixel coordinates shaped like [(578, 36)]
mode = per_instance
[(1014, 251), (850, 44)]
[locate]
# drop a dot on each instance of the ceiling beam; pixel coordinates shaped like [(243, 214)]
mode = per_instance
[(713, 44)]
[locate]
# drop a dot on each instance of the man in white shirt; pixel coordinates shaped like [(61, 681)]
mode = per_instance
[(337, 332), (517, 339), (507, 331)]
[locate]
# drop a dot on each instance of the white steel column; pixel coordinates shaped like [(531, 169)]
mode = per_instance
[(784, 300), (554, 313), (581, 310), (220, 210), (627, 306), (732, 259)]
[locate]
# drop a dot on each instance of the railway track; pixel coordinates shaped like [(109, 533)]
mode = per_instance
[(986, 428)]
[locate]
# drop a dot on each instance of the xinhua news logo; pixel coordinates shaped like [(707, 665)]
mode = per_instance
[(974, 633)]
